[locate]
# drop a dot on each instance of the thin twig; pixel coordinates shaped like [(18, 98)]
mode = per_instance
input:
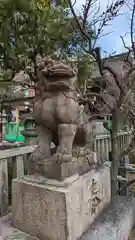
[(125, 46), (105, 34), (86, 11), (84, 34)]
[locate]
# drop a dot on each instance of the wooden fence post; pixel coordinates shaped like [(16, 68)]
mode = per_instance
[(124, 173), (20, 166), (3, 186)]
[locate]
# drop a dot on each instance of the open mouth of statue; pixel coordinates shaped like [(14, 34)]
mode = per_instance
[(58, 86)]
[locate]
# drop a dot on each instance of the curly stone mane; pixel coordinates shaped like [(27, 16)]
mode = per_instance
[(54, 77)]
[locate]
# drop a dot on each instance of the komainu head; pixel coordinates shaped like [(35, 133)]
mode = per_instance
[(56, 76)]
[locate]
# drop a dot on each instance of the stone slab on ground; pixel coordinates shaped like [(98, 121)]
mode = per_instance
[(7, 232), (53, 210), (115, 223)]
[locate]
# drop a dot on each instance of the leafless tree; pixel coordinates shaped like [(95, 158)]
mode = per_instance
[(118, 84)]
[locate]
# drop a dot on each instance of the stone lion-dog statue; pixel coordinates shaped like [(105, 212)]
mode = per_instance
[(56, 113)]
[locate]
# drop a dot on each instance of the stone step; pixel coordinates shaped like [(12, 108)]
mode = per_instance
[(115, 223)]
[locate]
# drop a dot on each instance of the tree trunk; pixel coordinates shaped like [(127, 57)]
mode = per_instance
[(115, 153)]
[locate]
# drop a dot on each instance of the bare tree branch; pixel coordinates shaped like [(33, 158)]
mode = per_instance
[(115, 75), (86, 100), (86, 11), (122, 38), (84, 34), (105, 34), (132, 25), (126, 75)]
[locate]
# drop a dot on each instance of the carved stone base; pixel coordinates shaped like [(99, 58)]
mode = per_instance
[(53, 210), (57, 168)]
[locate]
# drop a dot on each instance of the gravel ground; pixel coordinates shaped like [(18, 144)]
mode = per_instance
[(132, 234)]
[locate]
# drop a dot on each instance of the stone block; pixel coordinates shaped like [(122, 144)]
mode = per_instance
[(62, 170), (53, 168), (53, 210)]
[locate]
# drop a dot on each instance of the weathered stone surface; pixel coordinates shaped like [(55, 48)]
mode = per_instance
[(7, 232), (53, 210), (115, 223), (56, 168)]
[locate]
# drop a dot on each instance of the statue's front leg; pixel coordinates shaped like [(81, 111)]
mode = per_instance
[(42, 152), (66, 134), (44, 142)]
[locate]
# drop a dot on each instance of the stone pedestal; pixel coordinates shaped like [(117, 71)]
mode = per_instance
[(56, 168), (53, 210)]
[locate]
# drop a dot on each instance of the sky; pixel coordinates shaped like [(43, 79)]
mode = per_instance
[(120, 26)]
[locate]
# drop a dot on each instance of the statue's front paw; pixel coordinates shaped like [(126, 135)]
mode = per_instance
[(63, 158), (35, 162)]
